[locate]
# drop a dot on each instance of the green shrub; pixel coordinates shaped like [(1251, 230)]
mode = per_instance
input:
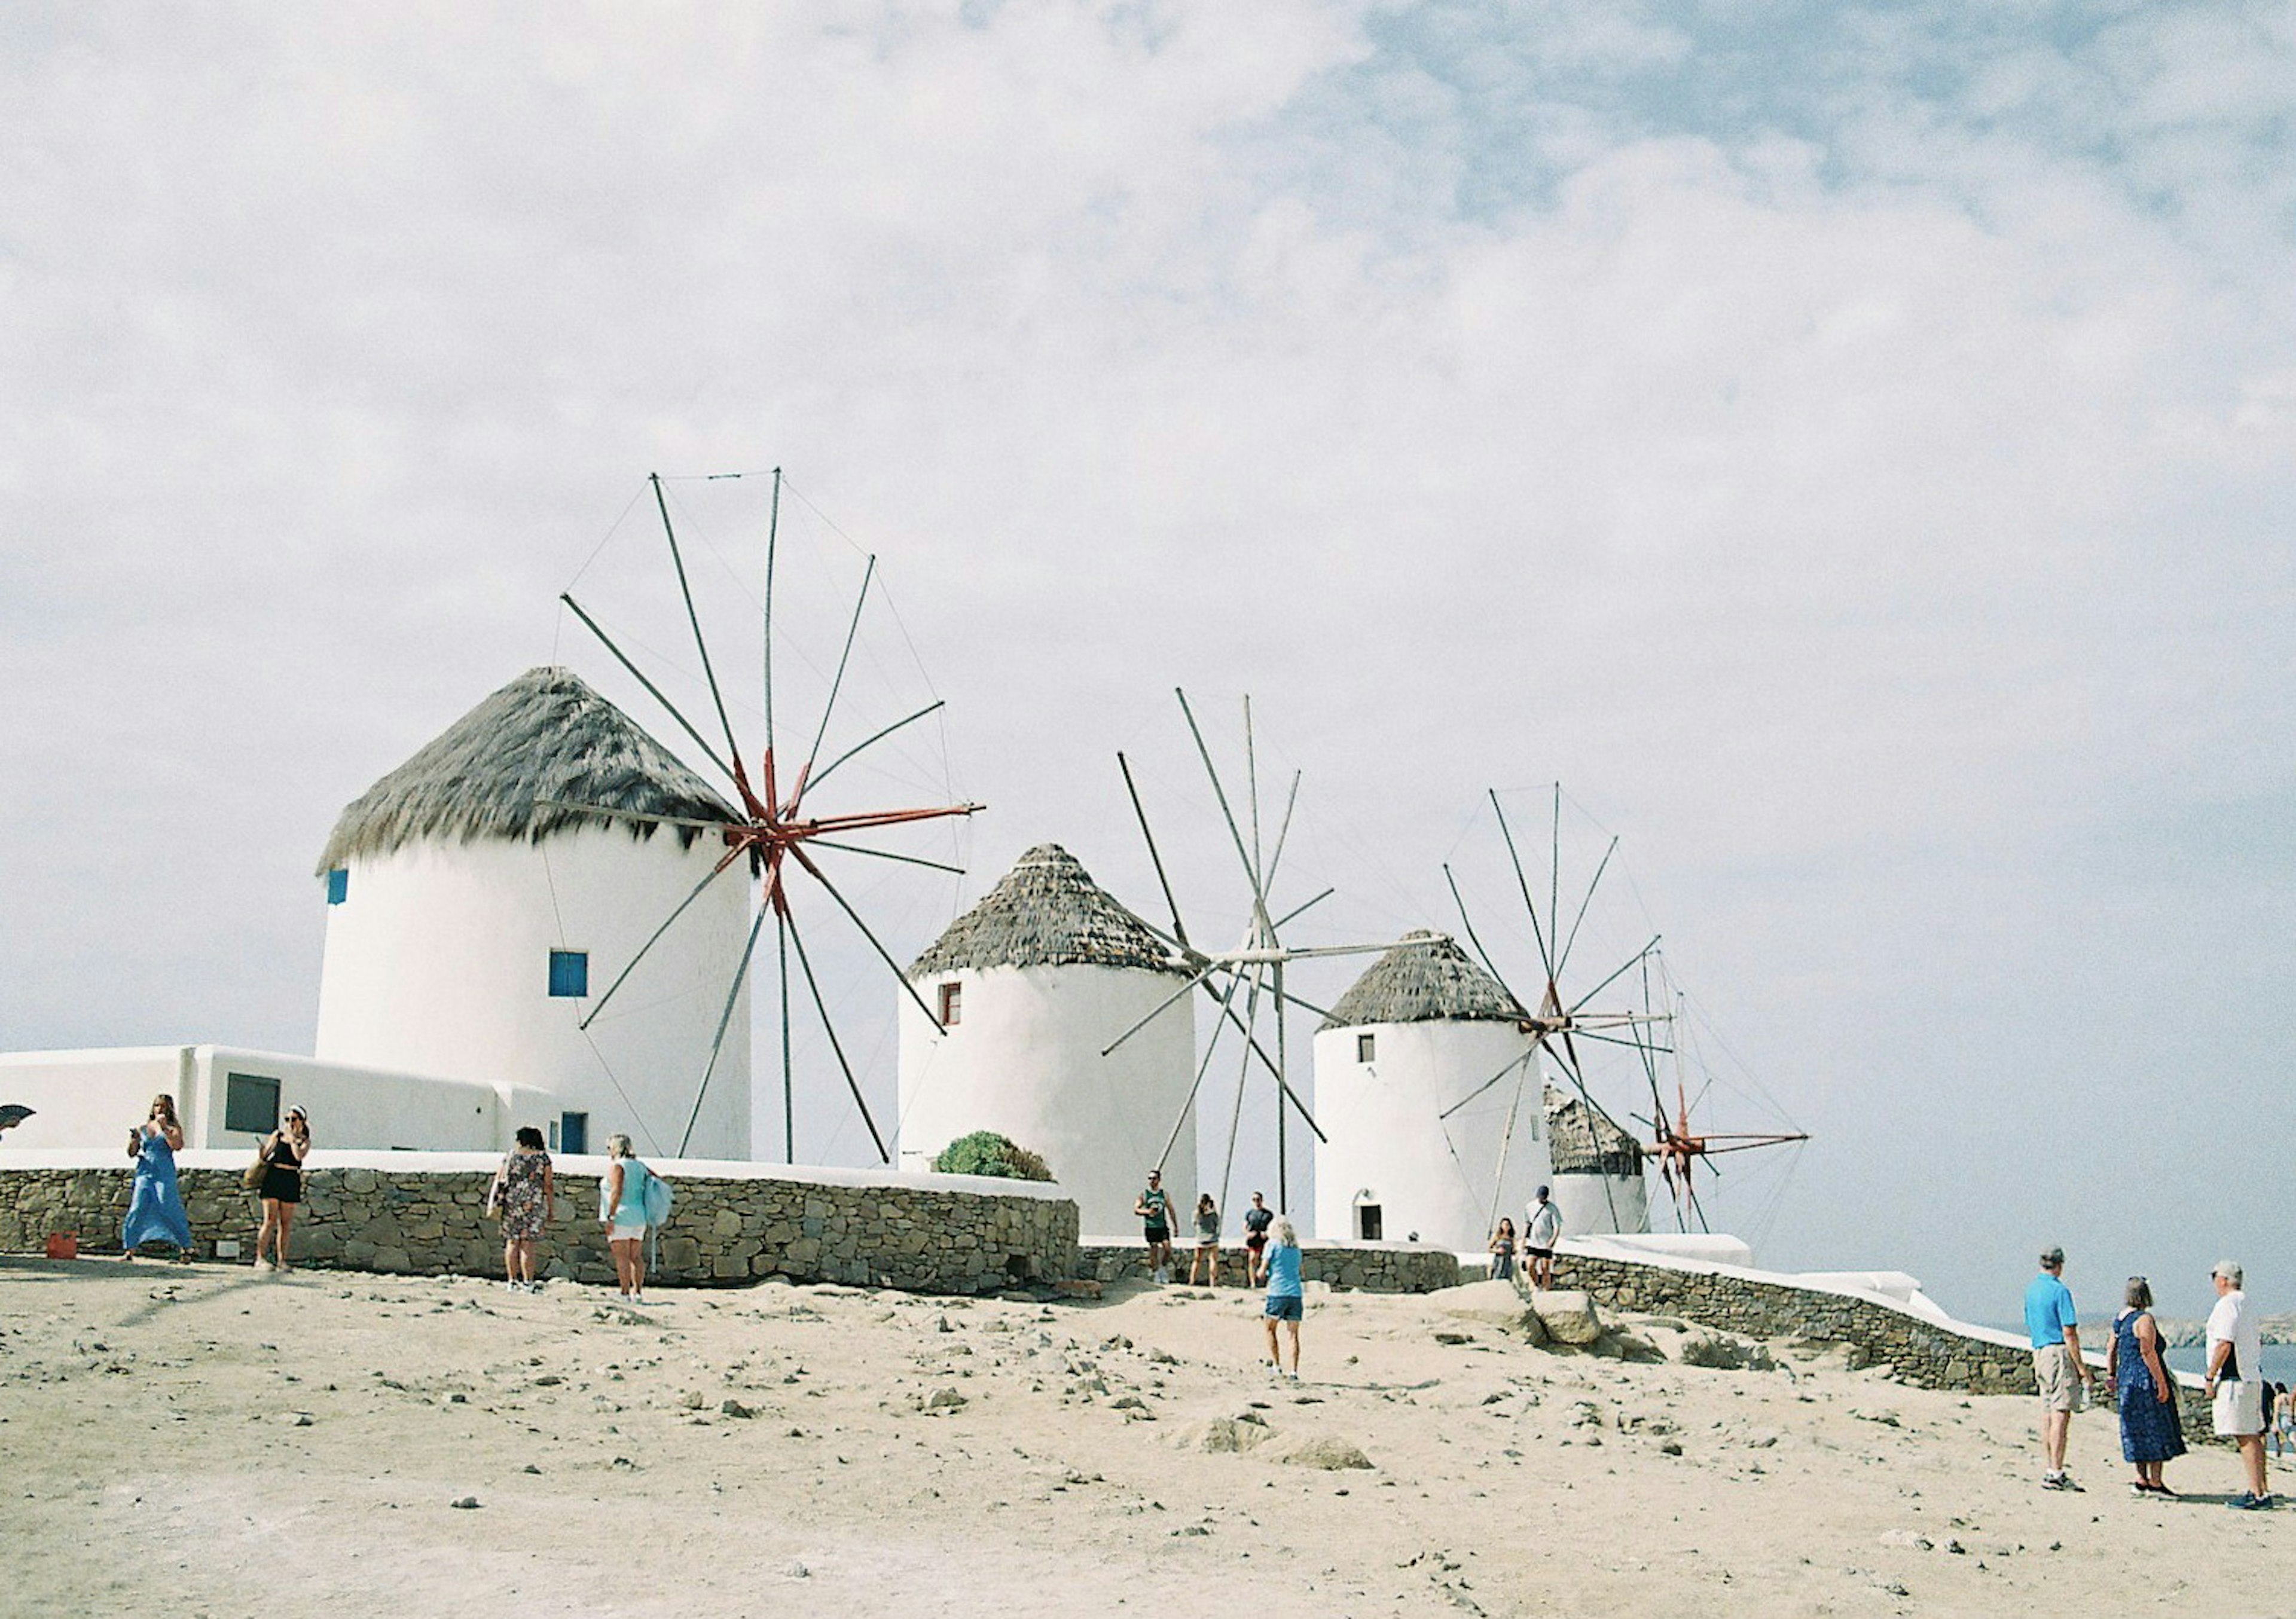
[(985, 1152)]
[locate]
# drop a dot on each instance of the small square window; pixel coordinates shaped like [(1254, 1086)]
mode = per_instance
[(339, 885), (952, 1005), (1366, 1045), (1370, 1222), (570, 973), (573, 1131), (250, 1104)]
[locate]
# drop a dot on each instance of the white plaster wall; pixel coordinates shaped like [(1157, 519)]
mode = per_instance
[(1431, 1176), (437, 962), (91, 1099), (1601, 1205), (1025, 1062)]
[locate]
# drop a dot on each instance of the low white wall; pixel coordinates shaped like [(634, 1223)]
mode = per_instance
[(94, 1098), (91, 1099)]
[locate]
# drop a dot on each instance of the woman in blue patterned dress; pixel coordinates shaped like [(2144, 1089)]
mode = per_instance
[(155, 1208), (2152, 1433)]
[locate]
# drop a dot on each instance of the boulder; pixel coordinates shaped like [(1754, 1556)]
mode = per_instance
[(1333, 1455), (1490, 1303), (1568, 1318), (1223, 1436)]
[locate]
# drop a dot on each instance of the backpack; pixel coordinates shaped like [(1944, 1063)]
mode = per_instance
[(657, 1198)]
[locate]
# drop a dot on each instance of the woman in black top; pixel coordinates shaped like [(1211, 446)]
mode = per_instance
[(284, 1152)]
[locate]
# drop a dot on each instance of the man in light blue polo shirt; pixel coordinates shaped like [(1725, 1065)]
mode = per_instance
[(2057, 1364)]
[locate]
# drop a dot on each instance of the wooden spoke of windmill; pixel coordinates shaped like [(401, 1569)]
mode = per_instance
[(772, 830), (1256, 967), (1679, 1148)]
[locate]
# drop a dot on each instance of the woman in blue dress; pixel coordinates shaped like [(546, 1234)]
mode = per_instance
[(2152, 1433), (155, 1208)]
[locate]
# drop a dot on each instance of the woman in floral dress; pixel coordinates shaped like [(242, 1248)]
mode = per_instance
[(523, 1191)]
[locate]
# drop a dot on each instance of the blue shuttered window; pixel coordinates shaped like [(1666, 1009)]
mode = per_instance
[(570, 973)]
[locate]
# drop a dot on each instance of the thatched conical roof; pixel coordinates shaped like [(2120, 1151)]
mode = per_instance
[(1420, 983), (544, 738), (1586, 1142), (1046, 912)]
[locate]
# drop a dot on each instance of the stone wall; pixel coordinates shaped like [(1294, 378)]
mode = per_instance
[(1368, 1267), (1917, 1351), (721, 1230)]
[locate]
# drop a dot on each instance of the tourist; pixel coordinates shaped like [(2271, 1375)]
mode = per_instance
[(2284, 1420), (2054, 1331), (1502, 1251), (622, 1211), (1154, 1207), (1256, 1219), (2235, 1382), (281, 1188), (522, 1193), (1541, 1233), (1208, 1236), (155, 1207), (1286, 1301), (2151, 1432)]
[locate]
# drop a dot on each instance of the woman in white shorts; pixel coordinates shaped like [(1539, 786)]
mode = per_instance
[(621, 1205)]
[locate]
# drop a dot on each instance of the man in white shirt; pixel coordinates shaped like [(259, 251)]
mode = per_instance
[(2236, 1380), (1541, 1231)]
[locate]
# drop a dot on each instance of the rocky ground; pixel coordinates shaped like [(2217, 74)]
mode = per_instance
[(199, 1441)]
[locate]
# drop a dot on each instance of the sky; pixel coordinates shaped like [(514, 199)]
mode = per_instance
[(1851, 449)]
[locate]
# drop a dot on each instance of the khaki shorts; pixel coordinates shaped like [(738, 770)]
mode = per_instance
[(2239, 1409), (2053, 1370)]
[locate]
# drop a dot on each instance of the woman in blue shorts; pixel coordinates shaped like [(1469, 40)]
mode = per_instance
[(1284, 1300)]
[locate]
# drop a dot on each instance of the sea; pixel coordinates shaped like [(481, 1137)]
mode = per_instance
[(2279, 1361)]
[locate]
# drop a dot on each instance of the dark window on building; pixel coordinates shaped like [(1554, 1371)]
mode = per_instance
[(952, 1005), (1367, 1221), (570, 973), (250, 1104), (339, 885), (573, 1132), (1365, 1044)]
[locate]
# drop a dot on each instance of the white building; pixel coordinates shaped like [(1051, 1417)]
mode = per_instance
[(227, 1097), (474, 922), (1598, 1186), (1422, 1032), (1031, 983)]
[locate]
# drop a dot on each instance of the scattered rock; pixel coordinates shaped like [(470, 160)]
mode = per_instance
[(1455, 1338), (1569, 1317), (467, 1503), (945, 1399), (1325, 1452), (1224, 1436), (734, 1408)]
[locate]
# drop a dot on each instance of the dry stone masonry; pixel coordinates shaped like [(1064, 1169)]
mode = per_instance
[(720, 1231), (1368, 1267)]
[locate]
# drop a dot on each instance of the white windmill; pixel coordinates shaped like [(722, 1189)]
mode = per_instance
[(771, 829), (1254, 970)]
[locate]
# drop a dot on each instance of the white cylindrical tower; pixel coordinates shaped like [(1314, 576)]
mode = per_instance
[(1598, 1185), (1030, 985), (472, 923), (1420, 1033)]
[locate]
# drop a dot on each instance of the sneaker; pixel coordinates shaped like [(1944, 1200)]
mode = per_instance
[(2060, 1481), (2246, 1502)]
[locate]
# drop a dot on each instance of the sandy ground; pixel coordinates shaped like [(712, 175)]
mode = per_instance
[(198, 1440)]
